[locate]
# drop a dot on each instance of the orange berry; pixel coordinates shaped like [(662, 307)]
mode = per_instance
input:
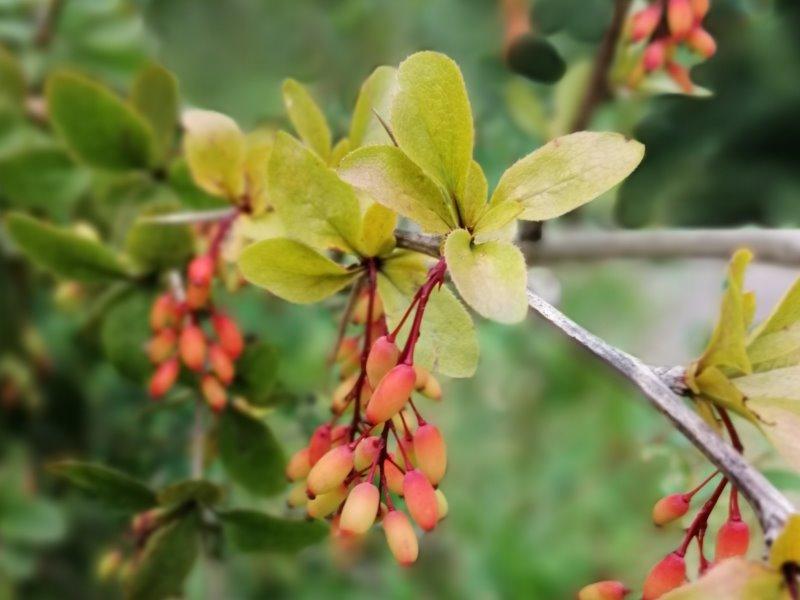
[(228, 334), (197, 296), (733, 539), (221, 364), (702, 42), (680, 75), (201, 271), (367, 452), (360, 509), (700, 8), (382, 357), (670, 508), (430, 452), (330, 470), (645, 21), (214, 393), (164, 312), (339, 401), (394, 476), (668, 574), (324, 504), (349, 356), (421, 499), (391, 394), (193, 347), (654, 55), (319, 444), (162, 346), (603, 590), (339, 435), (401, 537), (680, 18), (164, 377), (298, 465)]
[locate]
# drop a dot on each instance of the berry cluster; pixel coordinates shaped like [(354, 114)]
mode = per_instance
[(179, 336), (663, 27), (349, 472), (120, 562)]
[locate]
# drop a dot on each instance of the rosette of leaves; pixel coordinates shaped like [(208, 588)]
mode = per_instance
[(753, 371)]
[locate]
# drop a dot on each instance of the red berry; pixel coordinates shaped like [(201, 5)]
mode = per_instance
[(330, 470), (193, 347), (654, 55), (391, 394), (603, 590), (430, 452), (421, 499), (197, 296), (221, 364), (164, 377), (228, 334), (360, 509), (733, 539), (214, 393), (382, 357), (644, 22), (367, 452), (670, 508), (700, 8), (401, 537), (664, 577), (319, 444), (162, 346), (394, 476), (164, 312), (201, 271)]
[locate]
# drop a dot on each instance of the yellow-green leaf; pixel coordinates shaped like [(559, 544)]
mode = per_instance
[(12, 79), (473, 204), (377, 230), (775, 350), (389, 177), (316, 206), (215, 151), (376, 96), (293, 271), (778, 383), (490, 277), (780, 422), (786, 547), (785, 314), (340, 150), (713, 384), (155, 96), (432, 119), (308, 120), (496, 218), (733, 579), (257, 153), (568, 172)]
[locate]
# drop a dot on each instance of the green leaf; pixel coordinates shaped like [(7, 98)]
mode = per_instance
[(447, 343), (376, 96), (293, 271), (12, 79), (315, 205), (534, 57), (253, 531), (98, 127), (496, 218), (166, 560), (490, 277), (155, 246), (786, 547), (377, 230), (473, 204), (568, 172), (190, 490), (390, 178), (124, 335), (251, 454), (733, 579), (191, 195), (714, 385), (775, 350), (109, 486), (155, 96), (257, 373), (785, 314), (62, 252), (432, 119), (259, 149), (215, 151), (308, 120), (31, 521)]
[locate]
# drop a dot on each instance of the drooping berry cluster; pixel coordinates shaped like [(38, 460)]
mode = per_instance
[(663, 27), (355, 472), (181, 335)]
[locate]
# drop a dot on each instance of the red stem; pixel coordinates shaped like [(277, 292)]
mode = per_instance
[(690, 494), (435, 277), (701, 520)]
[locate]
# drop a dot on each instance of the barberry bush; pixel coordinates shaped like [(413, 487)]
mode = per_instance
[(177, 240)]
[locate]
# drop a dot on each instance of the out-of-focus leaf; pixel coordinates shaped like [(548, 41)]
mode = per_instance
[(215, 152), (293, 271), (12, 79), (307, 118), (780, 419), (62, 252), (155, 96), (124, 335), (251, 454), (490, 277), (191, 490), (190, 194), (733, 579), (377, 230), (166, 560), (253, 531), (390, 178), (568, 172), (376, 96), (432, 119), (316, 206), (786, 547), (109, 486), (98, 127), (31, 520), (535, 58), (777, 383), (155, 246), (257, 373)]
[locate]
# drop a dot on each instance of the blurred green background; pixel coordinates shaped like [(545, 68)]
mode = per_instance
[(554, 461)]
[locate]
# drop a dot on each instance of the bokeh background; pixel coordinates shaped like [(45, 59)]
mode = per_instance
[(555, 462)]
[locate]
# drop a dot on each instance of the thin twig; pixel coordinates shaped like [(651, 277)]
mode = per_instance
[(47, 23), (189, 217), (198, 441)]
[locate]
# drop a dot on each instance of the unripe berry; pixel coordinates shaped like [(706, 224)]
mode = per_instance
[(702, 42), (162, 346), (733, 538), (670, 508), (403, 422), (164, 312), (654, 55), (193, 347), (644, 22), (664, 577), (201, 271), (391, 394), (421, 499), (319, 444), (394, 476), (221, 364), (680, 18), (400, 537), (109, 565), (324, 504), (228, 334), (442, 505), (330, 470), (298, 465), (382, 358), (603, 590), (432, 388), (339, 401), (367, 452), (214, 393), (197, 296), (361, 309), (430, 452), (700, 8), (360, 509), (421, 374), (297, 495), (349, 356), (339, 435), (164, 377)]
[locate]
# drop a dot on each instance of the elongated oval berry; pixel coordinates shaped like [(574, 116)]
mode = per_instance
[(680, 18), (400, 537), (164, 312), (320, 443), (360, 509), (228, 334), (422, 375), (654, 55), (394, 476), (298, 465), (324, 504), (432, 388), (702, 42), (733, 539), (421, 499), (201, 270), (164, 377), (193, 347), (221, 364), (430, 452), (644, 22), (297, 495), (700, 8), (670, 508), (367, 452), (668, 574), (339, 435), (197, 296), (603, 590), (162, 345), (382, 358), (391, 394), (339, 401), (442, 505), (214, 393), (680, 75), (330, 470)]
